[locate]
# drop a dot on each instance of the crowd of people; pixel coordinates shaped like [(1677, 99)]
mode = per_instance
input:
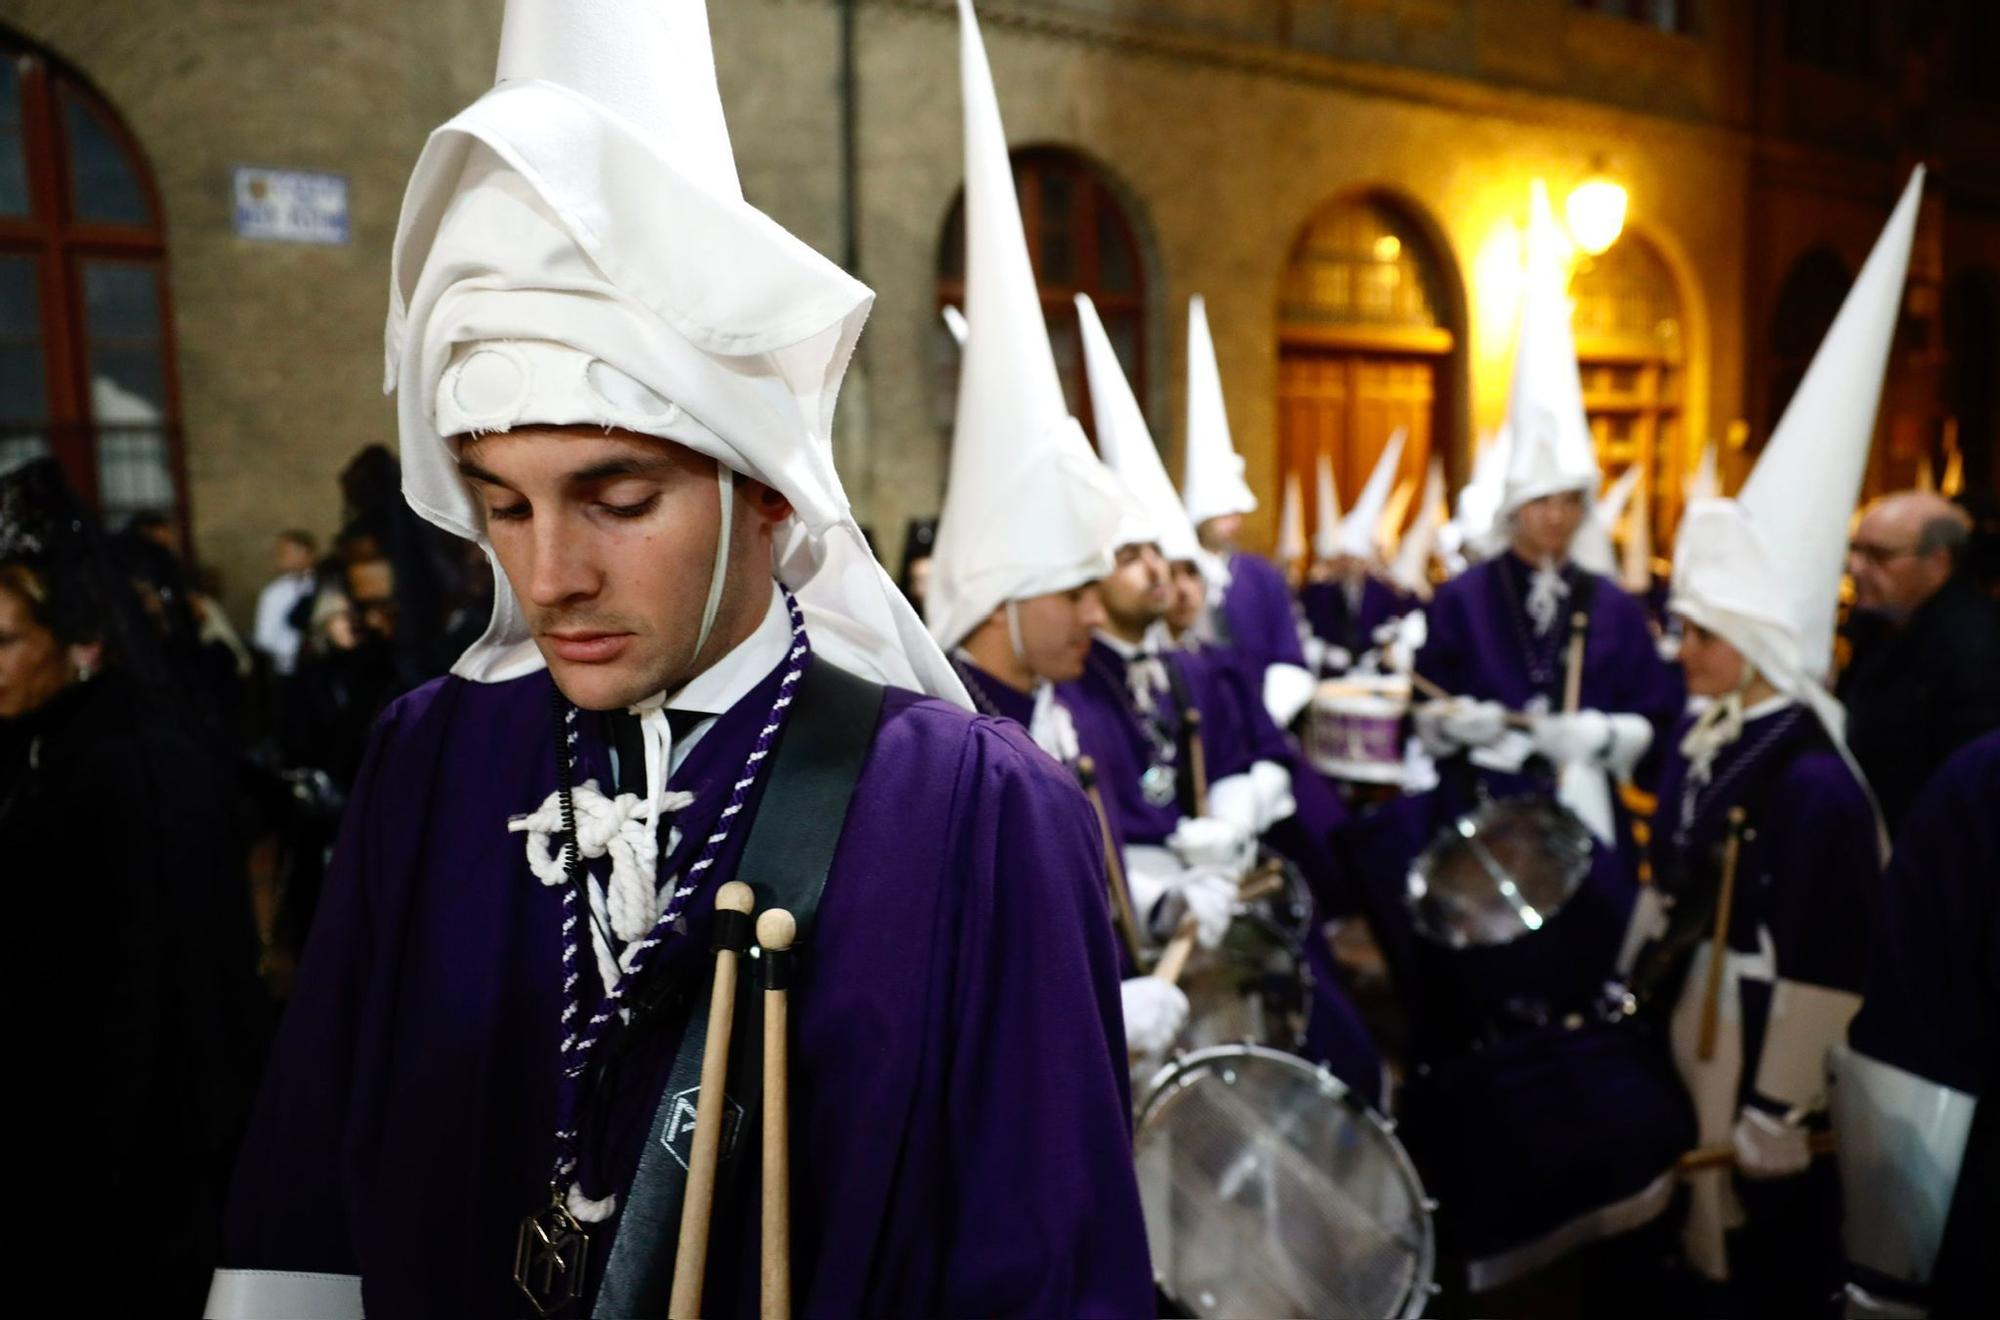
[(389, 958)]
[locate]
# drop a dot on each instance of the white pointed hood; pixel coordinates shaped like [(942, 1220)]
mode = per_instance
[(1291, 523), (1591, 549), (1126, 446), (1212, 482), (1635, 572), (573, 248), (1552, 450), (1360, 530), (1478, 513), (1411, 570), (1028, 509), (1326, 508), (1763, 570), (1706, 483)]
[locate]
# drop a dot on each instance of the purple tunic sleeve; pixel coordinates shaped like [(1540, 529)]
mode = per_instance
[(1819, 839), (1258, 608)]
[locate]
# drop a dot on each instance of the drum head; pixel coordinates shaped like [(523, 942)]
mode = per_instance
[(1268, 1190), (1498, 873)]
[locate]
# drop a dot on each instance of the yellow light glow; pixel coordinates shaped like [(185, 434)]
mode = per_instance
[(1596, 213), (1388, 247)]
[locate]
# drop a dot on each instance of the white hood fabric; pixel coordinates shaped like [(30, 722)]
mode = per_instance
[(1479, 502), (1126, 446), (1028, 509), (1591, 549), (1706, 483), (1411, 570), (1212, 482), (1361, 529), (1326, 508), (574, 248), (1291, 522), (1635, 571), (1552, 450), (1763, 570)]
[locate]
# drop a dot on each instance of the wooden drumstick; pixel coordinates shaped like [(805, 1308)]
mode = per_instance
[(1173, 958), (775, 931), (732, 936), (1718, 952), (1718, 1157), (1579, 626), (1197, 759), (1114, 865)]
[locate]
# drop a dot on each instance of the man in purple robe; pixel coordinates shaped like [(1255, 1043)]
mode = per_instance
[(630, 416), (1344, 606)]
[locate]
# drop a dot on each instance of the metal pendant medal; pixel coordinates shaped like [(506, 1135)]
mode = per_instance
[(550, 1254), (1158, 784)]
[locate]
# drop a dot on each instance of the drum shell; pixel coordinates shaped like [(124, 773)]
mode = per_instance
[(1354, 729)]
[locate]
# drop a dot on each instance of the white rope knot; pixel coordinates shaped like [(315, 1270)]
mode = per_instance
[(587, 1210), (621, 828), (1546, 593)]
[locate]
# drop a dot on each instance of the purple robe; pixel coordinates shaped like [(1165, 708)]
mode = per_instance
[(1257, 615), (959, 1107), (1353, 630)]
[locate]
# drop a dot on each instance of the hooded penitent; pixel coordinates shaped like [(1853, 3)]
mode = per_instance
[(1411, 569), (1028, 509), (1592, 546), (1763, 570), (1478, 513), (1360, 530), (1126, 446), (574, 249), (1291, 523), (1551, 446), (1212, 482)]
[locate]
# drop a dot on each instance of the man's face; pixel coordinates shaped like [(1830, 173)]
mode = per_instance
[(1544, 527), (1190, 593), (1890, 575), (33, 664), (1714, 668), (1220, 533), (609, 540), (291, 557), (1056, 629), (371, 586), (1137, 591)]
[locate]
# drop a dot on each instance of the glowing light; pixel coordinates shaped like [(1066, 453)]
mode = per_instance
[(1596, 213), (1388, 247)]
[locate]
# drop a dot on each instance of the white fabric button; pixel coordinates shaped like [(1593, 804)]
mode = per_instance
[(490, 385)]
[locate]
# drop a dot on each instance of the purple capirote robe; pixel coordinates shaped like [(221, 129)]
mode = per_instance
[(1325, 605), (960, 1129), (1257, 613)]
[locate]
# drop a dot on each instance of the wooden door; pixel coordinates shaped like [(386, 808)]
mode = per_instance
[(1346, 404)]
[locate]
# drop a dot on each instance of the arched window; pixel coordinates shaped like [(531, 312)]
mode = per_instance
[(86, 357), (1079, 241), (1808, 301), (1364, 338), (1628, 324)]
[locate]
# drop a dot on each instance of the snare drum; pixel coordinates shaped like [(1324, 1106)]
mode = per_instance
[(1269, 1190), (1254, 987), (1355, 728)]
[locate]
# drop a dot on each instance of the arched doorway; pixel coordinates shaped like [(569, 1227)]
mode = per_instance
[(86, 342), (1364, 345), (1080, 240), (1631, 357)]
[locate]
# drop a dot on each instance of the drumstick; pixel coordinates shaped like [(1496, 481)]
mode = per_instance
[(1114, 866), (775, 930), (1266, 879), (1197, 760), (732, 936), (1711, 1001), (1173, 958), (1579, 625), (1515, 719), (1717, 1157)]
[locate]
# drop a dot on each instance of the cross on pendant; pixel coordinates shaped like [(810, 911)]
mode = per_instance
[(549, 1259)]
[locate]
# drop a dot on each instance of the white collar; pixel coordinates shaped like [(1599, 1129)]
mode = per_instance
[(730, 679), (1128, 650), (1768, 706)]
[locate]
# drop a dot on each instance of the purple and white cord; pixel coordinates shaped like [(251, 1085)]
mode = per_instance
[(577, 1045)]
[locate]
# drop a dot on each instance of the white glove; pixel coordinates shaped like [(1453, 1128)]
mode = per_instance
[(1209, 841), (1150, 871), (1459, 722), (1211, 898), (1769, 1147), (1336, 659), (1288, 689), (1615, 742), (1155, 1012)]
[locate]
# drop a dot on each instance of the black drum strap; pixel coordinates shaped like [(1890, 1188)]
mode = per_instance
[(814, 769)]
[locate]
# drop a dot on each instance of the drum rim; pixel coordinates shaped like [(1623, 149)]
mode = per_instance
[(1463, 826), (1175, 1074)]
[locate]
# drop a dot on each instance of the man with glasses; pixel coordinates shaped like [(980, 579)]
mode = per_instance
[(1925, 676)]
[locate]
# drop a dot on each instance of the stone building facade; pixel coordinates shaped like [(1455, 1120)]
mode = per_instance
[(1345, 181)]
